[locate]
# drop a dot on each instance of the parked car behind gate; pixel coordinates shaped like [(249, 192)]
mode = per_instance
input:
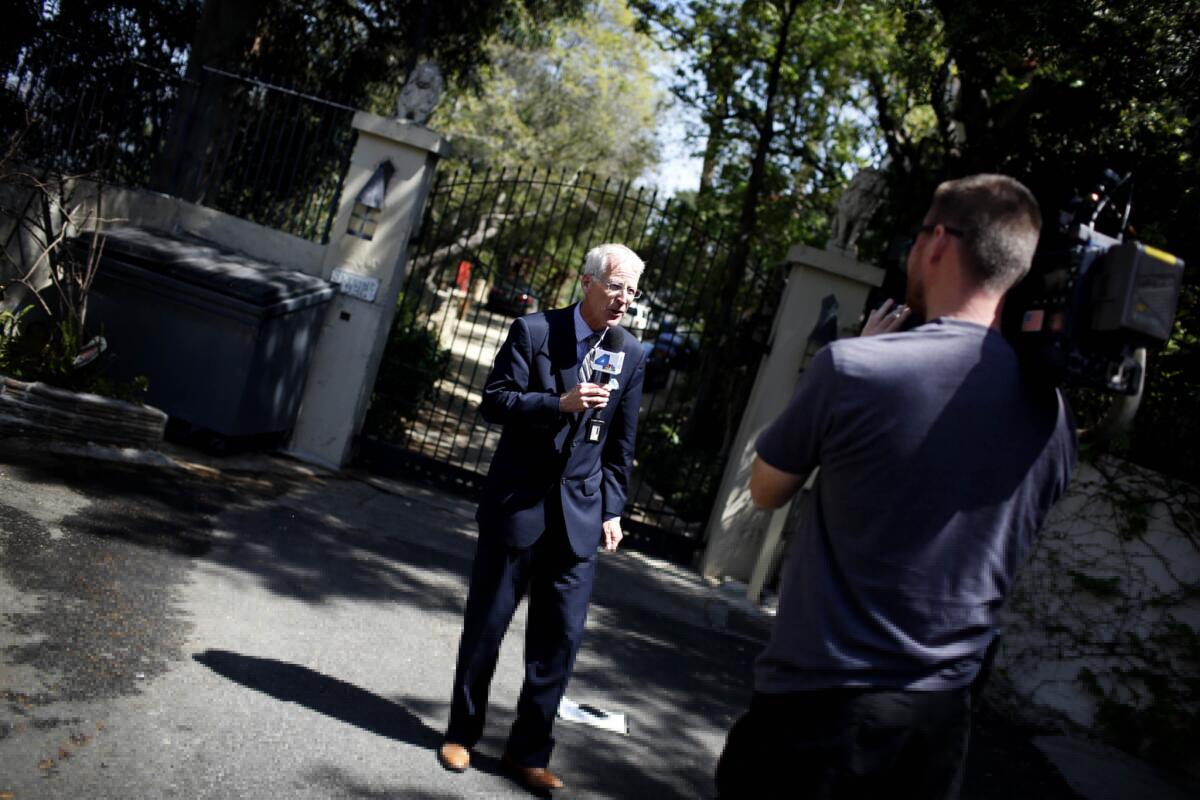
[(669, 350), (512, 298)]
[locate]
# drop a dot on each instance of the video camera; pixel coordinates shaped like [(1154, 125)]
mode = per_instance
[(1092, 302)]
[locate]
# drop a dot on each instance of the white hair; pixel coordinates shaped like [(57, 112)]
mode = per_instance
[(602, 258)]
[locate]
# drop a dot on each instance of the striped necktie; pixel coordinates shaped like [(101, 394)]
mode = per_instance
[(585, 368)]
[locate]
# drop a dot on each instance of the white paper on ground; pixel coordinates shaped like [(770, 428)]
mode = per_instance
[(587, 714)]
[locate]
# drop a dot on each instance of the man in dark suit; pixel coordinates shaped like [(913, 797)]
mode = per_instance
[(556, 490)]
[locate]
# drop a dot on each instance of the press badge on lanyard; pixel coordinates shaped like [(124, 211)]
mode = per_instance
[(593, 430)]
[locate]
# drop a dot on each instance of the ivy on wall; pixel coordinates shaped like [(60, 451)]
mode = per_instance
[(1103, 624)]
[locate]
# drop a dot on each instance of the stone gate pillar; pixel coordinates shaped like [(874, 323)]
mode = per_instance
[(383, 198), (741, 540)]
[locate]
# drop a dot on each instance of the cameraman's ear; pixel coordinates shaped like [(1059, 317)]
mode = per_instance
[(938, 247)]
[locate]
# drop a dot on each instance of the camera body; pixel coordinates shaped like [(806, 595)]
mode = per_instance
[(1091, 301)]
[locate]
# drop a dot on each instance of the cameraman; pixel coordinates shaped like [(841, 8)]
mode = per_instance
[(938, 463)]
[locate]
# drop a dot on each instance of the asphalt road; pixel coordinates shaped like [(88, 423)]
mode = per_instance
[(262, 631)]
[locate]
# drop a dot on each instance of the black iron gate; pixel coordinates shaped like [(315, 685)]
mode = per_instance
[(494, 245)]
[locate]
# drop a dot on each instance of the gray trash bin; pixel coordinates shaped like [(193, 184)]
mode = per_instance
[(224, 340)]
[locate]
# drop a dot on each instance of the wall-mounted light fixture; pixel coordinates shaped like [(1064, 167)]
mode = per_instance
[(364, 217)]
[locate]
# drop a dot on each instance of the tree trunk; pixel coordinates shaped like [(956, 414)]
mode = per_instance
[(712, 145), (704, 422), (748, 219), (204, 110)]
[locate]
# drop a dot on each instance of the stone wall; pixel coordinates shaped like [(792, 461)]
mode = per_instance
[(1101, 628), (21, 248)]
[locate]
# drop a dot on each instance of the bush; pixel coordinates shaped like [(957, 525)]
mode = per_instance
[(412, 364), (687, 478), (45, 351)]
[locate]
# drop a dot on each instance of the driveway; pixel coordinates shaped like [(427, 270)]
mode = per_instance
[(253, 628)]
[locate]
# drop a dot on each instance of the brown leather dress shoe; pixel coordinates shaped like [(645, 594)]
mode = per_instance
[(454, 757), (536, 779)]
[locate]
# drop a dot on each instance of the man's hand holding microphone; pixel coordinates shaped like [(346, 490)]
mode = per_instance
[(588, 396), (583, 397)]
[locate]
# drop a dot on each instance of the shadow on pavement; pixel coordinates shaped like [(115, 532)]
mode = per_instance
[(345, 702), (313, 540), (339, 783), (324, 694), (313, 550)]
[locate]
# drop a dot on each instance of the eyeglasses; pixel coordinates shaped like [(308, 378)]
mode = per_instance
[(931, 227), (907, 244), (614, 289)]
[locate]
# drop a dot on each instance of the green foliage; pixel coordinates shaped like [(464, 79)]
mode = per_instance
[(1052, 93), (10, 322), (1166, 431), (345, 50), (91, 35), (75, 67), (1162, 723), (43, 353), (125, 91), (780, 89), (584, 97), (42, 340), (687, 478), (412, 363), (360, 52), (1109, 583), (43, 350)]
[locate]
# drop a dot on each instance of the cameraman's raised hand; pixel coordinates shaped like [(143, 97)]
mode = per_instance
[(886, 319)]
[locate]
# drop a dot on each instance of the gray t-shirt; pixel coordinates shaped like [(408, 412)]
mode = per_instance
[(938, 463)]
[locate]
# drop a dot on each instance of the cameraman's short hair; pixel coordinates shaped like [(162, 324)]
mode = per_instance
[(605, 256), (1000, 221)]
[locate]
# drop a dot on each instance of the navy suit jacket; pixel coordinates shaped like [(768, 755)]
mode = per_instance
[(544, 475)]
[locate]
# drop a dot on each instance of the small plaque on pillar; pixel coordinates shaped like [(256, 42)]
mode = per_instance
[(355, 285)]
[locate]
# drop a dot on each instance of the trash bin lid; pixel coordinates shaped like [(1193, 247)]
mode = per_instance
[(205, 264)]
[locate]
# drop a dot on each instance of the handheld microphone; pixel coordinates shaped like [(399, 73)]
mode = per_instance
[(610, 361)]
